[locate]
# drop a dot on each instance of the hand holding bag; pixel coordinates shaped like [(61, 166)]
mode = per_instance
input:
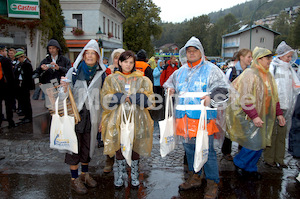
[(127, 133), (201, 149), (166, 127), (62, 131)]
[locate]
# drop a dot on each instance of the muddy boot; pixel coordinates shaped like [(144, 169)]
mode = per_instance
[(87, 179), (121, 173), (109, 163), (193, 181), (211, 190), (78, 186), (135, 173)]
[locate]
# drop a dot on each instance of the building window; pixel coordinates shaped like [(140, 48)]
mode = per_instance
[(115, 30), (104, 25), (262, 40), (108, 25), (78, 17), (112, 28), (118, 31)]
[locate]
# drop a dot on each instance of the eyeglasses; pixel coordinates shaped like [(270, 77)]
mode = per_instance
[(90, 53)]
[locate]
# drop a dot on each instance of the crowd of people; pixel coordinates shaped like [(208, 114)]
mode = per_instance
[(18, 79), (255, 100), (15, 85)]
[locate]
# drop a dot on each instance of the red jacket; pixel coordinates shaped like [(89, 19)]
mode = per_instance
[(167, 73)]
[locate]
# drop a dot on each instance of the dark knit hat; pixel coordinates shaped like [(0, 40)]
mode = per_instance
[(141, 55)]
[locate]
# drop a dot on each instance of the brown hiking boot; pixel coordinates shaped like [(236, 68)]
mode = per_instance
[(192, 182), (87, 179), (78, 186), (211, 190), (109, 163)]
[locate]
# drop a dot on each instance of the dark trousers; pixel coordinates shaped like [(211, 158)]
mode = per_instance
[(25, 103), (8, 99), (226, 147), (83, 133), (83, 156)]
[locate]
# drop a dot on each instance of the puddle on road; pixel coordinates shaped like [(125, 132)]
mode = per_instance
[(155, 184), (39, 128)]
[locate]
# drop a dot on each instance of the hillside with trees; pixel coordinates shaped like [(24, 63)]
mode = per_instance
[(210, 28)]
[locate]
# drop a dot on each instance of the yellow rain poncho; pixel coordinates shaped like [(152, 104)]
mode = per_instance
[(152, 63), (111, 117), (255, 86)]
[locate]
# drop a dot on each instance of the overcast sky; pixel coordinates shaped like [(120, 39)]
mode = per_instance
[(178, 11)]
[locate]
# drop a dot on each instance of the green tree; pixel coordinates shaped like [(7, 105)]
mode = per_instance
[(52, 22), (223, 26), (294, 36), (198, 27), (141, 24), (281, 25)]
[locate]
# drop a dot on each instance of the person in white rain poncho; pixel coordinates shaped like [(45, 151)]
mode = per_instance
[(288, 89), (195, 81), (86, 76)]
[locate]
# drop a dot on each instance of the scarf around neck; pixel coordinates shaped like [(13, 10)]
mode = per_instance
[(86, 72)]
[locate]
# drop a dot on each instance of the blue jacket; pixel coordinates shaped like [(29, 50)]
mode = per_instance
[(156, 74)]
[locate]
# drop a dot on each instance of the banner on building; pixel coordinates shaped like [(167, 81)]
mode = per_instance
[(23, 8)]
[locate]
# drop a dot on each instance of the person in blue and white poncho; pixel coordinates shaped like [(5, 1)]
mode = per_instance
[(195, 81)]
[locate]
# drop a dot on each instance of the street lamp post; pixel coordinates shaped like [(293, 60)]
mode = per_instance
[(251, 22), (100, 42)]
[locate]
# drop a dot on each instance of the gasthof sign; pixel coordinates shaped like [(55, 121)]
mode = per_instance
[(23, 8)]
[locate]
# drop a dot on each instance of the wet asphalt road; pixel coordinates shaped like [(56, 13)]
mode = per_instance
[(32, 170)]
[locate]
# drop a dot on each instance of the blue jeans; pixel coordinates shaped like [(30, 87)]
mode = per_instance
[(36, 93), (247, 159), (211, 166)]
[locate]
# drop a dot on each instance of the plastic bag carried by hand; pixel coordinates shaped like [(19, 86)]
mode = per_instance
[(201, 149), (62, 131), (127, 133), (166, 126)]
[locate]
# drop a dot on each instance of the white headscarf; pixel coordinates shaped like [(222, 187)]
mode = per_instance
[(91, 45), (283, 49), (195, 42)]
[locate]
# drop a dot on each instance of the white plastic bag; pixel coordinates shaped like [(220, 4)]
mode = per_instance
[(201, 149), (166, 127), (127, 133), (62, 131)]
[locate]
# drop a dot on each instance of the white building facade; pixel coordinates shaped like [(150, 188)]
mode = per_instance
[(260, 36), (85, 18)]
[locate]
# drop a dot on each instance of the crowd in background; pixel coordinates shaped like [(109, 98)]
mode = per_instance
[(259, 127)]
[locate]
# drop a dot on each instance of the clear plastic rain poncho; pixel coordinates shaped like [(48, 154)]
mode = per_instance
[(287, 81), (111, 117), (192, 83), (89, 94), (256, 86)]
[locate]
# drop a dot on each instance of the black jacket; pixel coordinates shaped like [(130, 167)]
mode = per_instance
[(46, 76), (63, 63), (25, 70)]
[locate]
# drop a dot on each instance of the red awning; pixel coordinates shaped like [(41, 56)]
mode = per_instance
[(77, 43)]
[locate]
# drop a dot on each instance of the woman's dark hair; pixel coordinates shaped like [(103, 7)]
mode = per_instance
[(124, 56)]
